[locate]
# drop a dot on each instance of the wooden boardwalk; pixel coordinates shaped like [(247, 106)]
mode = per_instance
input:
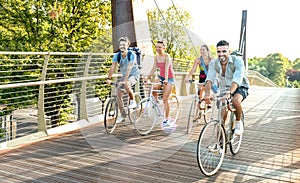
[(270, 151)]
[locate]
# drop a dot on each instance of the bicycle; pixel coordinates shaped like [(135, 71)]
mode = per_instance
[(198, 109), (146, 117), (112, 109), (214, 138)]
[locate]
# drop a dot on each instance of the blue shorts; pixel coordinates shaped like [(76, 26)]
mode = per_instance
[(243, 91), (170, 80)]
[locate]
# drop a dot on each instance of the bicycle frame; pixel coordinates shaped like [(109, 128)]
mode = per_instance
[(151, 97), (117, 88)]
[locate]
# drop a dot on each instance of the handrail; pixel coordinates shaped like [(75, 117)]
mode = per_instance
[(51, 89)]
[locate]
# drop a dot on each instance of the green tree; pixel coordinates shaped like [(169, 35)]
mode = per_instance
[(65, 26), (171, 25), (274, 67)]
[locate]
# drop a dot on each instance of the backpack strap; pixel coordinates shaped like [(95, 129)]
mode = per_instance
[(119, 56)]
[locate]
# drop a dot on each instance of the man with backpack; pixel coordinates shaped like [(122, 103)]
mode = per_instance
[(129, 70), (232, 81)]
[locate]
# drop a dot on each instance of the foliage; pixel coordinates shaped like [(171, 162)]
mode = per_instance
[(56, 26), (275, 67), (66, 25), (170, 25)]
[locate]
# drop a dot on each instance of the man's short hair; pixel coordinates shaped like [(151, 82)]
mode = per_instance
[(222, 43), (124, 39)]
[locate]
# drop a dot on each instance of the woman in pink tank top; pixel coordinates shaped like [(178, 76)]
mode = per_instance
[(166, 75)]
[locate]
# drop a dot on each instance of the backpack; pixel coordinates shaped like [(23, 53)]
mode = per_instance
[(137, 52)]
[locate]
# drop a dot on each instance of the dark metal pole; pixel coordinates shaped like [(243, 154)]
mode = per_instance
[(242, 44), (122, 22)]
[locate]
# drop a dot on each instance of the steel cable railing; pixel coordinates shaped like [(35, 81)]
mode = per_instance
[(40, 90)]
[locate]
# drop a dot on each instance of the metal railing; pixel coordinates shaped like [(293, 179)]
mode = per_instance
[(258, 79), (43, 90)]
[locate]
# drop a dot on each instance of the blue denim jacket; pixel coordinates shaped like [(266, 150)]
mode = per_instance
[(237, 75)]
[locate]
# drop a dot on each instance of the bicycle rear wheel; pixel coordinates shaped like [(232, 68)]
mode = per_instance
[(145, 117), (211, 148), (174, 107), (193, 115), (110, 116), (235, 140)]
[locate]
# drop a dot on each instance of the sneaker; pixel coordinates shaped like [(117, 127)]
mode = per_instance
[(239, 128), (215, 149), (167, 123), (121, 118), (132, 104)]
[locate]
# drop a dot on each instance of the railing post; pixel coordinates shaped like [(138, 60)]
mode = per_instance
[(183, 91), (42, 125), (83, 110), (192, 86)]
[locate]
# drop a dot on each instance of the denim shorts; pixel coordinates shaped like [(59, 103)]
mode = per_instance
[(132, 79), (243, 91), (170, 80)]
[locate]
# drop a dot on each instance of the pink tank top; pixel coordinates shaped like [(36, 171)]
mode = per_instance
[(161, 66)]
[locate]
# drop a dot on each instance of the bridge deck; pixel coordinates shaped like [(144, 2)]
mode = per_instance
[(270, 151)]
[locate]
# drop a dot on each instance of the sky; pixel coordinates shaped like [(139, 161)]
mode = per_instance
[(272, 25)]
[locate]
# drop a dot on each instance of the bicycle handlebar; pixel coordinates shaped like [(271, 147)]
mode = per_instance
[(228, 102)]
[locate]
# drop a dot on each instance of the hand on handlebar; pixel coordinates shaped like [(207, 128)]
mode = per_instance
[(165, 82), (207, 99)]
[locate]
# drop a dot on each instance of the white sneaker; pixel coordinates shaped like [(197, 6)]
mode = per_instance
[(239, 128), (120, 119), (132, 104), (167, 123)]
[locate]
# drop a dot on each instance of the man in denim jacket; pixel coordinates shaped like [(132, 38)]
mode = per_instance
[(232, 81)]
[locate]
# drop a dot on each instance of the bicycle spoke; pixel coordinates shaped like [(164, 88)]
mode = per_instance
[(236, 140), (147, 117), (110, 116), (174, 107), (210, 151)]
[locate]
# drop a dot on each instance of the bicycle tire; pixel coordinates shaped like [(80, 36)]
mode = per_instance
[(130, 112), (144, 120), (110, 115), (174, 107), (192, 115), (210, 154), (234, 140)]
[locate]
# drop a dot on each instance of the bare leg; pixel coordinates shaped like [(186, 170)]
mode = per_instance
[(129, 90), (237, 101), (166, 94), (120, 101)]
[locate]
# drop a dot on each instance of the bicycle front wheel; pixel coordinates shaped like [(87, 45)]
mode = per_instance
[(110, 116), (235, 140), (145, 118), (211, 148), (193, 115), (174, 107)]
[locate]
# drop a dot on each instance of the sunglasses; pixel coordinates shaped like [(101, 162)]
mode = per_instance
[(223, 51), (161, 42)]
